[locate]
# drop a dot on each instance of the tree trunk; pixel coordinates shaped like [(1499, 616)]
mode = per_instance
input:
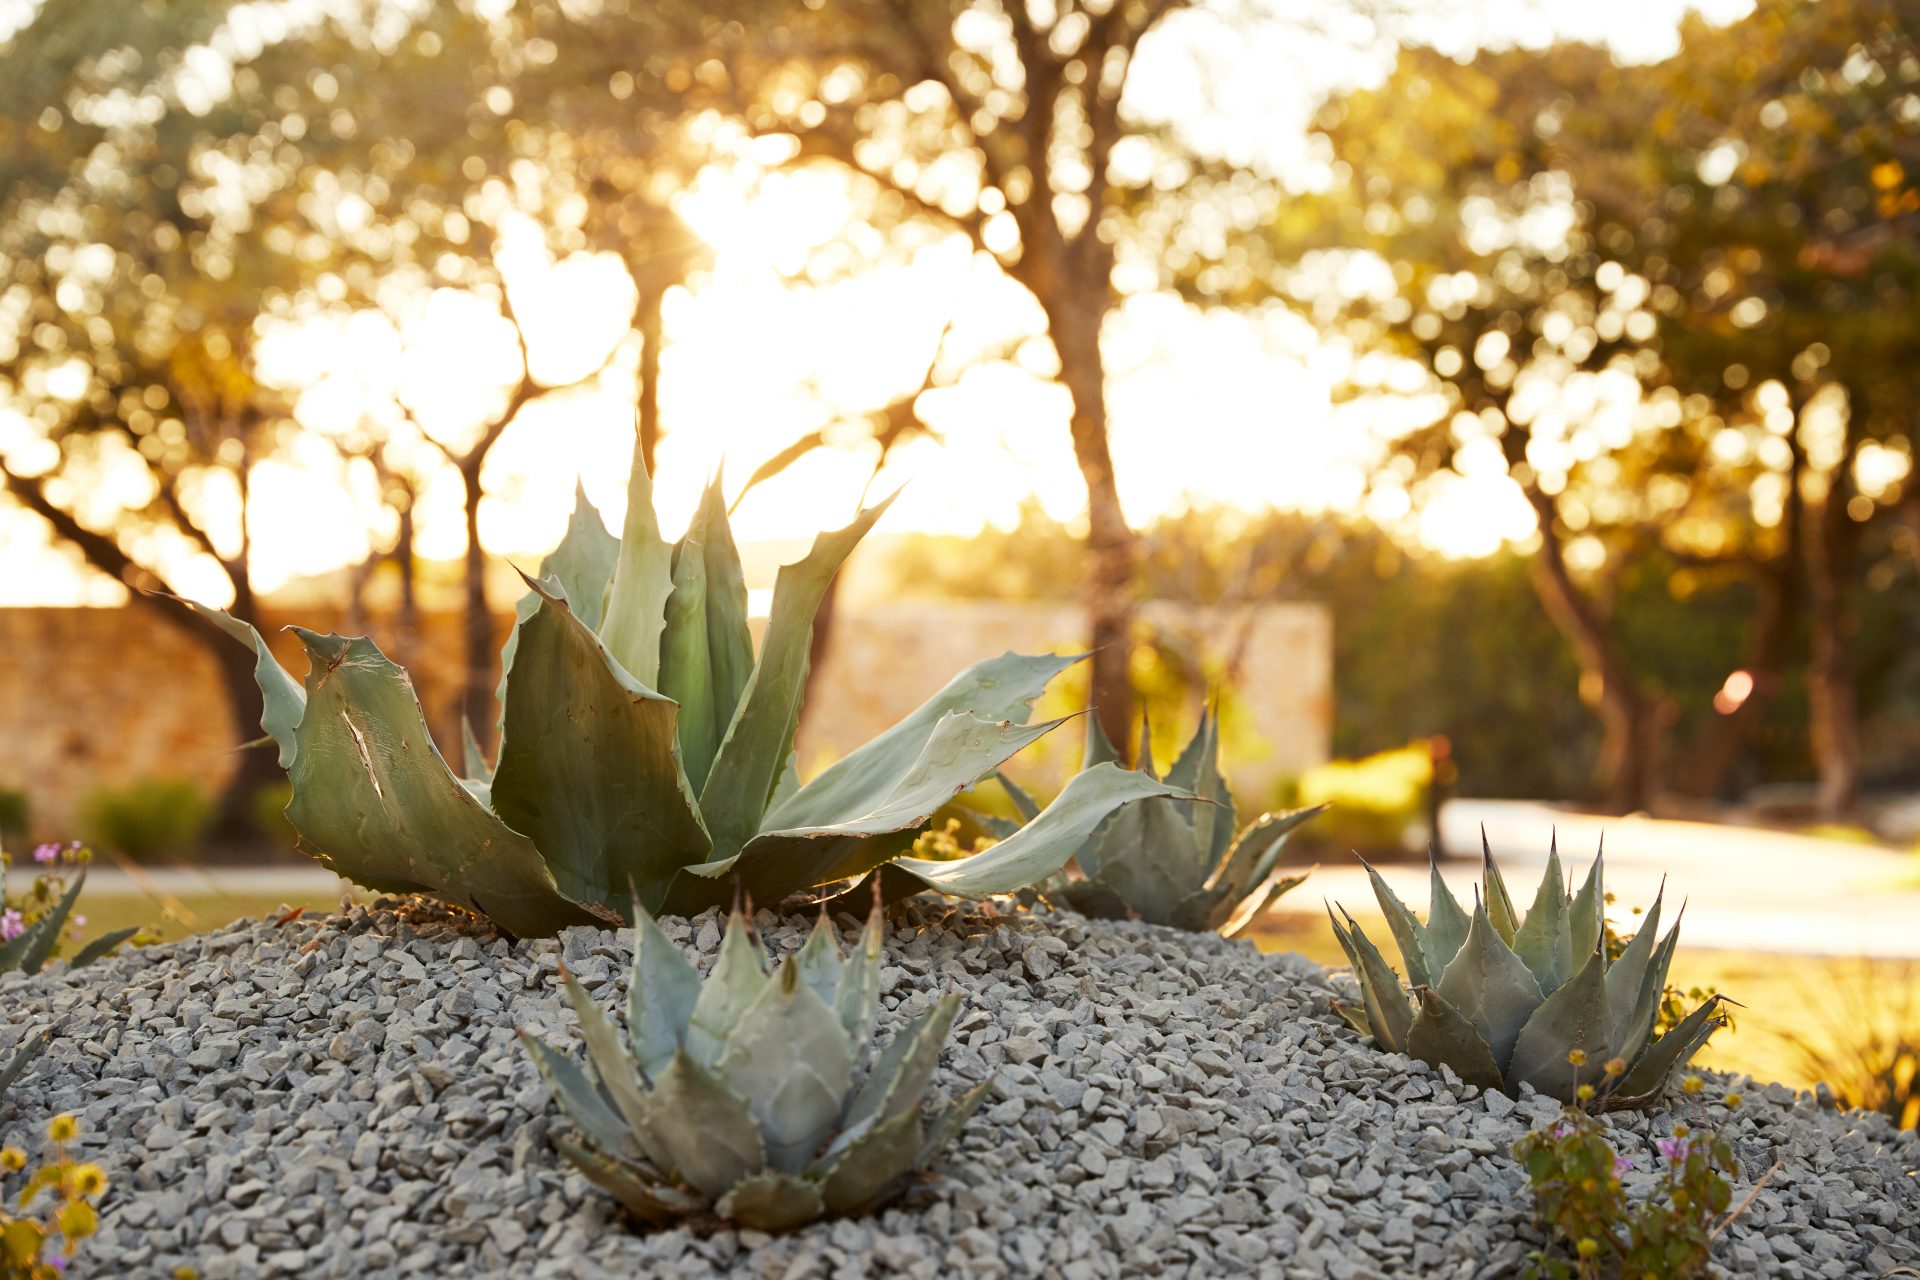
[(648, 415), (476, 700), (1832, 700), (1112, 546), (407, 635), (1624, 772)]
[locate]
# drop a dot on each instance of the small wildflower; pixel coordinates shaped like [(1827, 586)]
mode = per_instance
[(1622, 1165), (63, 1128), (79, 922), (1673, 1148), (12, 1159), (1615, 1067), (1584, 1093), (77, 1219), (46, 853), (1733, 1100), (12, 925), (88, 1179), (1588, 1247), (1578, 1057), (1561, 1130), (1692, 1084)]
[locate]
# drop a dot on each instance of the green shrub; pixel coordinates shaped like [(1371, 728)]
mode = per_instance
[(268, 813), (153, 818), (1376, 806), (14, 813)]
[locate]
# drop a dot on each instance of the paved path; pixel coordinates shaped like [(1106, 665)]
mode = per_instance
[(1747, 890)]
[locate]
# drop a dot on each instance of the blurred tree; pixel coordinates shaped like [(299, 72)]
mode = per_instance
[(1000, 120)]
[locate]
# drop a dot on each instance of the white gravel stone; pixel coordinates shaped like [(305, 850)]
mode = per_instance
[(345, 1096)]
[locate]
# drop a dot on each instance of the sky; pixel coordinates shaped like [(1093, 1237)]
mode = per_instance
[(752, 362)]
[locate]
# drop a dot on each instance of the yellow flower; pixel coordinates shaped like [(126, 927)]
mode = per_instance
[(12, 1159), (77, 1219), (63, 1128), (1584, 1093), (1733, 1099), (1588, 1248), (1692, 1084), (87, 1179), (1615, 1067), (1578, 1057)]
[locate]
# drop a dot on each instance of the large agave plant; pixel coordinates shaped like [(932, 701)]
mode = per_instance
[(1505, 999), (749, 1096), (1172, 863), (646, 756)]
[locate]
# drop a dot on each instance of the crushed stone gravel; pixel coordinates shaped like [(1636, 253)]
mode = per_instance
[(345, 1096)]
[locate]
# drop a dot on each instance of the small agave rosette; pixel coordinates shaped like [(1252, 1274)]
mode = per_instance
[(1505, 999), (744, 1096)]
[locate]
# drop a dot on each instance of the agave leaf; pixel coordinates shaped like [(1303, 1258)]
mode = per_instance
[(1198, 770), (650, 1201), (608, 1056), (473, 758), (789, 1058), (821, 964), (961, 750), (737, 791), (583, 565), (1626, 980), (737, 981), (375, 802), (1542, 938), (946, 1124), (1095, 901), (872, 1165), (30, 1049), (1354, 1016), (1239, 919), (101, 946), (703, 1127), (1023, 804), (1256, 851), (661, 996), (1491, 987), (1646, 1005), (1408, 933), (773, 1202), (1388, 1009), (707, 654), (1647, 1078), (282, 701), (636, 612), (1443, 1036), (1500, 909), (1587, 917), (1044, 845), (581, 1101), (859, 993), (31, 949), (1149, 855), (1100, 749), (899, 1077), (1001, 688), (588, 767), (1447, 923), (1573, 1017)]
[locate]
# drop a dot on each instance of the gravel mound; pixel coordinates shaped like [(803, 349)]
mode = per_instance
[(344, 1096)]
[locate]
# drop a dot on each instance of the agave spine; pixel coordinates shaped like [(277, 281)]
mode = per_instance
[(1505, 999), (751, 1096)]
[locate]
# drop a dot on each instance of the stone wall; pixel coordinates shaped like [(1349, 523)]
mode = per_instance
[(102, 697)]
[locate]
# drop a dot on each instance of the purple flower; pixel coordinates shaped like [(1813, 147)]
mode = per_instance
[(46, 853), (1560, 1130), (1621, 1164), (79, 922), (57, 1262), (1673, 1148), (11, 925)]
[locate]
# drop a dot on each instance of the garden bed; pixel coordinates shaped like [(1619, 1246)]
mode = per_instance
[(345, 1096)]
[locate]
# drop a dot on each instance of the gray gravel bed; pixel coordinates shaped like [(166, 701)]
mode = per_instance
[(344, 1096)]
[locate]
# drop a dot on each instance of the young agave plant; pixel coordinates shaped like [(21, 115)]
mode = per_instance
[(1173, 863), (1505, 999), (22, 1058), (647, 752), (29, 950), (751, 1096)]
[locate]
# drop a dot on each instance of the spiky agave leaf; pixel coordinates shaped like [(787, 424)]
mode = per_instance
[(743, 1095), (30, 1049), (1510, 1005)]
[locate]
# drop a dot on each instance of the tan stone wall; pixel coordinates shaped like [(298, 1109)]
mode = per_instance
[(92, 697)]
